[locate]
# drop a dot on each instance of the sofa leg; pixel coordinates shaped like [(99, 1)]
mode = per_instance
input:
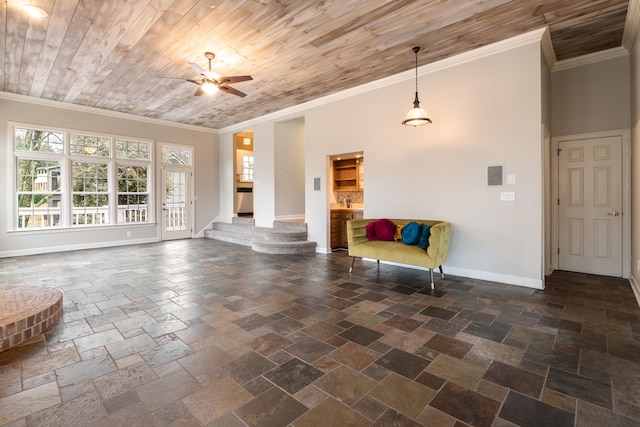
[(353, 259), (441, 272), (433, 285)]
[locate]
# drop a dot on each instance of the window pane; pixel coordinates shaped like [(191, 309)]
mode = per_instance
[(132, 208), (90, 209), (90, 177), (90, 145), (176, 156), (39, 140), (133, 149), (38, 193)]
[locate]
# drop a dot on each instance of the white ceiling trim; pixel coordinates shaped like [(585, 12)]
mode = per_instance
[(631, 24), (534, 36), (592, 58), (92, 110)]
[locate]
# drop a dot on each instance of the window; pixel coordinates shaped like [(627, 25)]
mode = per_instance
[(176, 156), (90, 193), (38, 193), (133, 193), (247, 168), (69, 179)]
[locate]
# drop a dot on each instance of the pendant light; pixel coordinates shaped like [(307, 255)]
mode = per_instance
[(416, 116)]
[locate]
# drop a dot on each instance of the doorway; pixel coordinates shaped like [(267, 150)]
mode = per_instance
[(346, 196), (593, 194), (244, 174), (177, 192)]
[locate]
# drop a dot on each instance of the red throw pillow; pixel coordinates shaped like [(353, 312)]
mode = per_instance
[(371, 231), (385, 229)]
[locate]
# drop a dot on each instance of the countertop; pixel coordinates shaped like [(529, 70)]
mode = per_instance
[(347, 209)]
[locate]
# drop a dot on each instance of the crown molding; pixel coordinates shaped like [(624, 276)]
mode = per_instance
[(591, 58), (92, 110), (296, 111), (631, 24), (547, 49)]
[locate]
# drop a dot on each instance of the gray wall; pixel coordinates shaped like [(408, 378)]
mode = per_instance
[(635, 164), (591, 98), (289, 169)]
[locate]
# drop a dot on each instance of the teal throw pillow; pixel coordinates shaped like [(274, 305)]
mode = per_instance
[(425, 232), (411, 233)]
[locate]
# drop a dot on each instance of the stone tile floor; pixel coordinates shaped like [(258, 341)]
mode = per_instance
[(207, 333)]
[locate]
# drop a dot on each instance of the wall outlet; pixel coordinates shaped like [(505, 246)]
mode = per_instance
[(507, 196), (129, 234)]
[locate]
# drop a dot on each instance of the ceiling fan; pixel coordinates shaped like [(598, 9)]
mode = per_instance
[(210, 82)]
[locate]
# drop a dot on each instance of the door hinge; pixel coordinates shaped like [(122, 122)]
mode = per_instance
[(558, 202), (559, 150), (558, 251)]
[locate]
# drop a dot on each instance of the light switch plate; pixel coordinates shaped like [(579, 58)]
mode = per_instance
[(511, 179)]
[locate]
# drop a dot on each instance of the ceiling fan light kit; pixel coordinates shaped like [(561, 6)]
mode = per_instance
[(34, 11), (210, 82), (416, 116)]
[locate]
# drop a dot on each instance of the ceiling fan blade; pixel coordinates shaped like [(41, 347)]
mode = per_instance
[(199, 92), (194, 81), (229, 89), (197, 69), (234, 79)]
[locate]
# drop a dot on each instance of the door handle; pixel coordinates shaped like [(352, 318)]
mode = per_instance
[(614, 213)]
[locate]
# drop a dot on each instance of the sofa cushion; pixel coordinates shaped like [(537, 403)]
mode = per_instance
[(385, 229), (425, 232), (371, 231), (411, 233), (398, 234)]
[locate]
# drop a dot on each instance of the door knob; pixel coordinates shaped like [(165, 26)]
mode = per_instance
[(614, 213)]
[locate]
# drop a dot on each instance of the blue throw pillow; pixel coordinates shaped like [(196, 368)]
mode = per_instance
[(425, 232), (411, 233)]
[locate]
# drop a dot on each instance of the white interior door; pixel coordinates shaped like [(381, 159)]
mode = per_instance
[(590, 205), (176, 203)]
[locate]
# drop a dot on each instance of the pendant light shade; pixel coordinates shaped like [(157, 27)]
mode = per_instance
[(416, 116)]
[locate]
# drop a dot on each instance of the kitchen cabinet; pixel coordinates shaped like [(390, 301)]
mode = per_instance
[(346, 174), (339, 218)]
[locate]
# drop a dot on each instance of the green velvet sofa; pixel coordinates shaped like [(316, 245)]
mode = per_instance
[(434, 256)]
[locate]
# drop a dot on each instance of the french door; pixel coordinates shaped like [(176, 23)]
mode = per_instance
[(177, 191)]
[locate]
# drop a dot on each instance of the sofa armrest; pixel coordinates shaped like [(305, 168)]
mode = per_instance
[(439, 241), (357, 231)]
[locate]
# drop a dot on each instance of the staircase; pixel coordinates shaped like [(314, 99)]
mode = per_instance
[(283, 238)]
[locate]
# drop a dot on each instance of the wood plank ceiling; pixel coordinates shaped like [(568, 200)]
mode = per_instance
[(113, 54)]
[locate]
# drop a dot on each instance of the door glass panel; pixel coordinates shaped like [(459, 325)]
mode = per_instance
[(176, 197)]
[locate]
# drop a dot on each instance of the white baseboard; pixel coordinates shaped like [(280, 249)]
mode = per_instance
[(635, 286), (50, 249), (526, 282)]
